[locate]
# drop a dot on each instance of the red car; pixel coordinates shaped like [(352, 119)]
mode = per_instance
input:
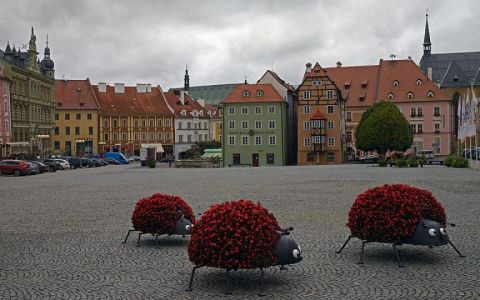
[(15, 167)]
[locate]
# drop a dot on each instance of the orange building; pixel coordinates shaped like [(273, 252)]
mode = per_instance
[(319, 118)]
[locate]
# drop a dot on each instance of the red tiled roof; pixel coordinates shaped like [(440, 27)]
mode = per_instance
[(406, 72), (317, 70), (131, 102), (75, 94), (318, 116), (350, 79), (190, 105), (269, 94)]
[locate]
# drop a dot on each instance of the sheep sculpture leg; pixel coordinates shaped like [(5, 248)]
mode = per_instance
[(139, 236), (190, 283), (395, 250), (228, 290), (362, 253), (128, 234), (344, 244), (460, 254), (262, 293)]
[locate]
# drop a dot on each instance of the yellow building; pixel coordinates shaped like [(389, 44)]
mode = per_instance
[(134, 116), (76, 119)]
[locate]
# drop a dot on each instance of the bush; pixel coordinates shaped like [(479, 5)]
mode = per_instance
[(152, 163), (412, 162), (159, 213), (235, 235), (390, 213), (449, 161), (401, 162), (382, 162), (456, 162)]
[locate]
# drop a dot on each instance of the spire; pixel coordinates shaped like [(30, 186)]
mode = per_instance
[(186, 80), (427, 45), (8, 50)]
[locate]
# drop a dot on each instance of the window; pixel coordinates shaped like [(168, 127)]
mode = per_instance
[(135, 136), (159, 123), (306, 142), (67, 130), (244, 110), (436, 145), (180, 124), (152, 123), (89, 116), (437, 127), (306, 125), (318, 124), (231, 124), (144, 123), (167, 136), (115, 123), (56, 145), (67, 116), (160, 137), (246, 93), (189, 138), (349, 116), (258, 124), (144, 136), (419, 112), (330, 94), (200, 138), (273, 140), (306, 109), (330, 156), (135, 123), (330, 109), (57, 118), (306, 95), (436, 111), (244, 140), (78, 116), (413, 112), (430, 94), (270, 158), (317, 82), (77, 130), (231, 140), (236, 158), (420, 128), (124, 136), (390, 96), (152, 136), (258, 140), (206, 136), (195, 125), (419, 82), (349, 135), (395, 83), (105, 137), (258, 110), (272, 124), (318, 139), (259, 93), (189, 125), (330, 124), (410, 95), (180, 138), (167, 123), (244, 124), (57, 131), (271, 109), (414, 127), (331, 141), (231, 110), (90, 130), (115, 136)]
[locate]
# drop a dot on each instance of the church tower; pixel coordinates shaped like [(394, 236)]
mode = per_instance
[(186, 81), (47, 64), (427, 45)]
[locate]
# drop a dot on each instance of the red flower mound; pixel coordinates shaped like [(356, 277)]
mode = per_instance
[(235, 235), (159, 213), (390, 213)]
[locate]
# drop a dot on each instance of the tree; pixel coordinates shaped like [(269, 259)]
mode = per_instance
[(198, 148), (383, 127)]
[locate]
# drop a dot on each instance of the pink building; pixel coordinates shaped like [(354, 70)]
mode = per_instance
[(5, 116)]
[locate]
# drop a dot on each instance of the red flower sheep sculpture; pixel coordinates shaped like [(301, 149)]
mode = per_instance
[(162, 214), (398, 214), (240, 235)]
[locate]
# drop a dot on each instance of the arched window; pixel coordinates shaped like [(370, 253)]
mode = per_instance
[(410, 95), (419, 82), (430, 94), (395, 83), (390, 96)]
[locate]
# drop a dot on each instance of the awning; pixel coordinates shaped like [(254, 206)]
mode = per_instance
[(19, 144), (156, 145)]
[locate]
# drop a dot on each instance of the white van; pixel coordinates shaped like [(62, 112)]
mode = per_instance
[(428, 154)]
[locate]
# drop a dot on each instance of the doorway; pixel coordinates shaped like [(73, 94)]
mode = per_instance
[(255, 161)]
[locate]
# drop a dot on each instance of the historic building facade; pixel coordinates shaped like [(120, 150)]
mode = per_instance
[(76, 118), (254, 127), (32, 99), (5, 116), (319, 119), (192, 121), (132, 117)]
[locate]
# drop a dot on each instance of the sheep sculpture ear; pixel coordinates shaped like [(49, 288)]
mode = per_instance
[(424, 225)]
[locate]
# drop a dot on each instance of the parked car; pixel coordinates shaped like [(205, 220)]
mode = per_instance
[(53, 164), (371, 158), (34, 170), (15, 167), (471, 153), (428, 154), (130, 158), (118, 156), (112, 161), (97, 162), (63, 163), (136, 158), (87, 162), (41, 166), (75, 162)]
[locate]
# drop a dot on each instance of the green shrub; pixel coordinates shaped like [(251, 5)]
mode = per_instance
[(412, 162), (382, 162), (400, 162), (152, 163), (460, 162), (449, 161)]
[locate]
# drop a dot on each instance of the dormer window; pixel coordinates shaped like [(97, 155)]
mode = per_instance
[(201, 113), (183, 112), (395, 83), (317, 82), (419, 82), (410, 95), (260, 93), (430, 94), (390, 96), (364, 83), (246, 93)]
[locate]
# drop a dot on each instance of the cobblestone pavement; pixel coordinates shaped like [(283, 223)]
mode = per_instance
[(61, 233)]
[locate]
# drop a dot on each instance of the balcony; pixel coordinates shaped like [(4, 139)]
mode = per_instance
[(436, 114), (318, 131), (318, 147)]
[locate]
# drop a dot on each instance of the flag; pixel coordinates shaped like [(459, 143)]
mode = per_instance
[(460, 117), (473, 110)]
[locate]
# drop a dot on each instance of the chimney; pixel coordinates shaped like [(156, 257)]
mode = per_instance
[(308, 67), (141, 88), (119, 88), (149, 88), (102, 87), (182, 97), (201, 102), (429, 73), (339, 64)]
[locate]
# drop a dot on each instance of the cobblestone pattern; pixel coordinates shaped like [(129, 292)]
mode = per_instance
[(61, 233)]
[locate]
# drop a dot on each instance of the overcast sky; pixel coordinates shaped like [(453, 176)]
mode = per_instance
[(222, 41)]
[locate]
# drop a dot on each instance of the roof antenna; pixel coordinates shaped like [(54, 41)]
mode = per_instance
[(392, 56), (47, 39), (246, 79)]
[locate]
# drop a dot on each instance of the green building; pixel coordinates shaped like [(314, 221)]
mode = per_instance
[(32, 99), (254, 127)]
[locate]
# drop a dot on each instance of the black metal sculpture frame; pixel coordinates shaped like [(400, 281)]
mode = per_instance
[(140, 233), (228, 288), (394, 246)]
